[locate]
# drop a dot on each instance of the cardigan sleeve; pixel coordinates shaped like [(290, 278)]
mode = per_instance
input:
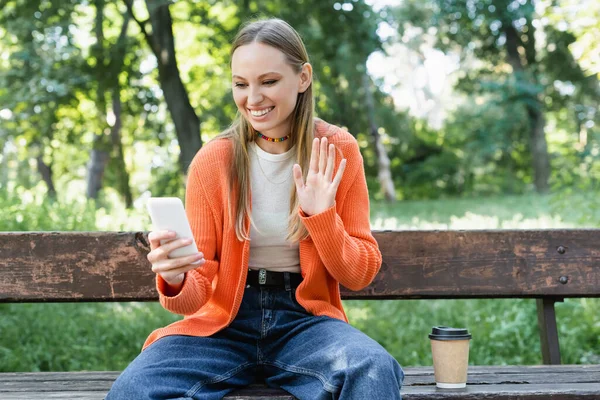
[(197, 284), (343, 237)]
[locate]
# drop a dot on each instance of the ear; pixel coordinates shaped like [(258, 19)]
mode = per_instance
[(305, 78)]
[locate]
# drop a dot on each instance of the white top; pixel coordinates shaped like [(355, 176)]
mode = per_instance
[(271, 184)]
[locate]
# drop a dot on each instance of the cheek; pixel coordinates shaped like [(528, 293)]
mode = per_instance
[(288, 96), (239, 99)]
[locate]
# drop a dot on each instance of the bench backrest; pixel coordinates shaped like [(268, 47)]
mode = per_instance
[(112, 266)]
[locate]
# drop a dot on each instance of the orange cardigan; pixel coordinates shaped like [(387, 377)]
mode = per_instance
[(339, 250)]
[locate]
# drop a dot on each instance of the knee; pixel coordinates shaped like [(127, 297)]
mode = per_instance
[(379, 366), (129, 385)]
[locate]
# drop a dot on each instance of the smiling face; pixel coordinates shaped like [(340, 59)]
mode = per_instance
[(266, 87)]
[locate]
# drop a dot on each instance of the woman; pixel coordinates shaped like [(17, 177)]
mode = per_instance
[(281, 223)]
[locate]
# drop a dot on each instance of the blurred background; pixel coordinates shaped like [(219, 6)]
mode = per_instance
[(470, 114)]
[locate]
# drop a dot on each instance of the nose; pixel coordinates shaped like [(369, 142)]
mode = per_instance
[(255, 96)]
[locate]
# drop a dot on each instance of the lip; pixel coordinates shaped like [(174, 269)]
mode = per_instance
[(260, 109)]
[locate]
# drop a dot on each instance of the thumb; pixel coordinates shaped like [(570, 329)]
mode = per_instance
[(298, 180)]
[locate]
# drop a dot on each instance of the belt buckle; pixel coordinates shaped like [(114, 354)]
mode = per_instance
[(262, 276)]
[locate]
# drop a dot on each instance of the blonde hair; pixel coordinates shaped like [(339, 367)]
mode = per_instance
[(280, 35)]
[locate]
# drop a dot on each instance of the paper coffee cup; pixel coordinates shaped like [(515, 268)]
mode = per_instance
[(450, 352)]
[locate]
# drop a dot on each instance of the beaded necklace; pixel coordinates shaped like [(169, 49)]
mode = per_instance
[(269, 139)]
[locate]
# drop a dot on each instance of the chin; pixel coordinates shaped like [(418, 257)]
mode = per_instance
[(262, 127)]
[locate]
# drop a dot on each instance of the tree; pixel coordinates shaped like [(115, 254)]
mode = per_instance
[(108, 65), (161, 41), (500, 33), (103, 98), (40, 80)]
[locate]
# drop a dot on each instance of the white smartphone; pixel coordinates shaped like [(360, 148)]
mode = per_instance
[(167, 213)]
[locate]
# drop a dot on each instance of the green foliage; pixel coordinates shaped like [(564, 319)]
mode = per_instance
[(525, 65), (24, 210), (75, 337), (55, 82), (504, 331)]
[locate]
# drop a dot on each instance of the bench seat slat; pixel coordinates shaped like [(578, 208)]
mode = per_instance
[(584, 391), (502, 392), (505, 382), (82, 395), (555, 392), (592, 370)]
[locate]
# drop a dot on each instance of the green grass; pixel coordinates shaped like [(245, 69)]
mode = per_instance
[(107, 336), (508, 212)]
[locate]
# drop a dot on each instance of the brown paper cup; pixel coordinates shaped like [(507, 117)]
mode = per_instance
[(450, 363), (450, 352)]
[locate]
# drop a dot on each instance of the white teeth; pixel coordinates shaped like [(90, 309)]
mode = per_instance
[(260, 113)]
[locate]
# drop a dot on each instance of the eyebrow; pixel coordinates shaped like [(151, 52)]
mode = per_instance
[(259, 77)]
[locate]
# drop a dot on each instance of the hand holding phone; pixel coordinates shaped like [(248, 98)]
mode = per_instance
[(171, 254), (168, 214)]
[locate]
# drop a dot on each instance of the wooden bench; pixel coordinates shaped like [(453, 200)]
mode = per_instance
[(548, 265)]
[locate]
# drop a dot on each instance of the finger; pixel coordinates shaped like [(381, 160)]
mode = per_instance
[(314, 156), (298, 179), (156, 236), (323, 155), (338, 175), (330, 163), (178, 263), (162, 252), (176, 244)]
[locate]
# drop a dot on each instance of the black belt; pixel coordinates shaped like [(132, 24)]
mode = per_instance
[(264, 278)]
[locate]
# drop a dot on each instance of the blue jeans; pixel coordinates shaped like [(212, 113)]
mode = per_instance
[(311, 357)]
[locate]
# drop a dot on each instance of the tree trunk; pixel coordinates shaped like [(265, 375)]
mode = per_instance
[(537, 121), (383, 161), (118, 154), (187, 124), (46, 171), (99, 155), (539, 149), (96, 167), (108, 76)]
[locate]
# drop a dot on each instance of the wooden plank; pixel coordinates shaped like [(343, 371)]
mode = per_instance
[(72, 266), (478, 376), (582, 391), (471, 264), (41, 383), (548, 330), (112, 266), (504, 392), (591, 369), (73, 376), (53, 395), (257, 392), (570, 371)]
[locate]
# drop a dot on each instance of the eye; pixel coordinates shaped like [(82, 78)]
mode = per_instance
[(239, 85), (270, 82)]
